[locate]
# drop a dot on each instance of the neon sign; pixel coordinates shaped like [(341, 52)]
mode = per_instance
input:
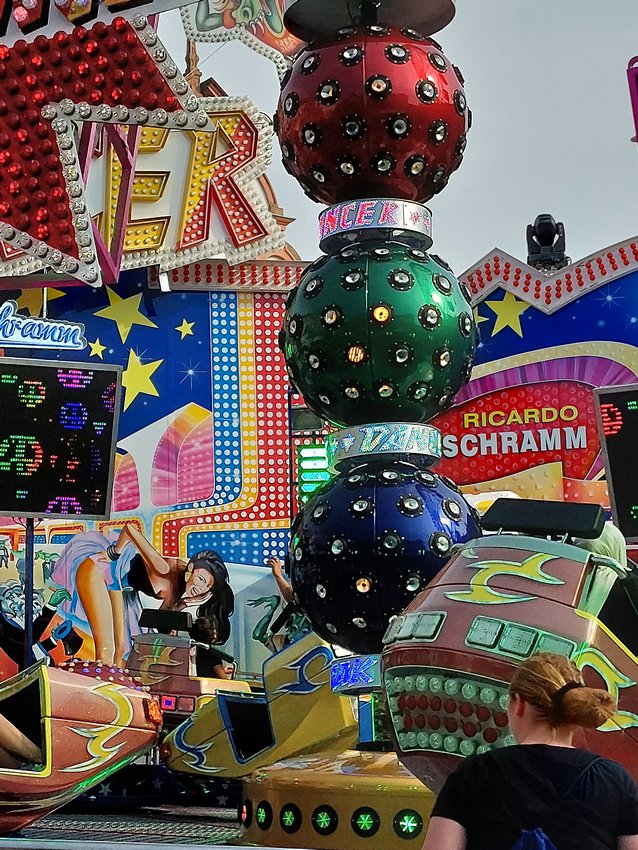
[(18, 331), (359, 673)]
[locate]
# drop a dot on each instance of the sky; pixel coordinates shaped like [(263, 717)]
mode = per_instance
[(546, 82)]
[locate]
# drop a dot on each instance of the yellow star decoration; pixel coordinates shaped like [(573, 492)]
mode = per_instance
[(508, 313), (137, 378), (97, 349), (185, 329), (478, 318), (125, 312), (33, 299)]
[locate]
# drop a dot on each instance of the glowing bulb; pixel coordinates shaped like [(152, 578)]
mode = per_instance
[(381, 314)]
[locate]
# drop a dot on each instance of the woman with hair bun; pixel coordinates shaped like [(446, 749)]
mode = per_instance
[(579, 800)]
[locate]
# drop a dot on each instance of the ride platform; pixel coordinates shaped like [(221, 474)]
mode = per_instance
[(157, 829)]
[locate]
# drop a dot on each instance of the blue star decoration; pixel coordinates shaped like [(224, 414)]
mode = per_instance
[(347, 442)]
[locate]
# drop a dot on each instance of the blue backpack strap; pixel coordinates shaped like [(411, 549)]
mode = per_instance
[(592, 761)]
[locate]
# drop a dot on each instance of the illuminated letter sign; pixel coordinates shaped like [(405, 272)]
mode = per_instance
[(387, 438), (21, 332), (398, 216), (358, 673)]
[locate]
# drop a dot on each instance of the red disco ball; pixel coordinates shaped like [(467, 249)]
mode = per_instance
[(375, 112)]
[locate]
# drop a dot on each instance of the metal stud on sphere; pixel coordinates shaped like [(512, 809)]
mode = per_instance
[(381, 332), (368, 542), (377, 111)]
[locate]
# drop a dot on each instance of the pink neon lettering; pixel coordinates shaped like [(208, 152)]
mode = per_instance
[(344, 222), (329, 222), (365, 213), (388, 213)]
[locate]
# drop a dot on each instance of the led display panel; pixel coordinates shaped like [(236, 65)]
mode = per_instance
[(58, 430), (617, 412)]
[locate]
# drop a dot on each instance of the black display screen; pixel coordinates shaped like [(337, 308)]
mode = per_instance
[(58, 426), (617, 411)]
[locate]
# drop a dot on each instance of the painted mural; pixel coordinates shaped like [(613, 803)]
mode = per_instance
[(257, 23), (201, 468)]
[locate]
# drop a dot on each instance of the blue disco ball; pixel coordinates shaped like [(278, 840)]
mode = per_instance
[(368, 542)]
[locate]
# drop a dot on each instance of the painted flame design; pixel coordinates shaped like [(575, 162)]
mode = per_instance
[(100, 736), (481, 593)]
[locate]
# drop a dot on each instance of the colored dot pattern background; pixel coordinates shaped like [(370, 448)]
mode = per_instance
[(227, 444), (247, 517)]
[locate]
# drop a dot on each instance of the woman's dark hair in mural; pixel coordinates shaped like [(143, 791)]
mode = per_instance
[(221, 604)]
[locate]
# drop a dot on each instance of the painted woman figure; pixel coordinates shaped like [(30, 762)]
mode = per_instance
[(106, 578)]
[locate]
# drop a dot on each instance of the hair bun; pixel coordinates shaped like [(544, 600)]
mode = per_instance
[(586, 707), (560, 693), (553, 684)]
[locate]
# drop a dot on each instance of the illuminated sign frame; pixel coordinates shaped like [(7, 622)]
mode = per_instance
[(600, 394), (98, 367), (349, 446), (351, 220)]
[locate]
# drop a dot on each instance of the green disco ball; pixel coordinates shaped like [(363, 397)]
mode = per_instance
[(381, 332)]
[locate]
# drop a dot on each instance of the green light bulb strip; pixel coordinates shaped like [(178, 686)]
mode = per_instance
[(364, 821)]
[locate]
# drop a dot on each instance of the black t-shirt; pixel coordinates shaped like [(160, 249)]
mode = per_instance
[(495, 795), (206, 659)]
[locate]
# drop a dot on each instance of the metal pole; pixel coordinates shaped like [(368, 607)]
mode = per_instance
[(28, 592), (370, 12)]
